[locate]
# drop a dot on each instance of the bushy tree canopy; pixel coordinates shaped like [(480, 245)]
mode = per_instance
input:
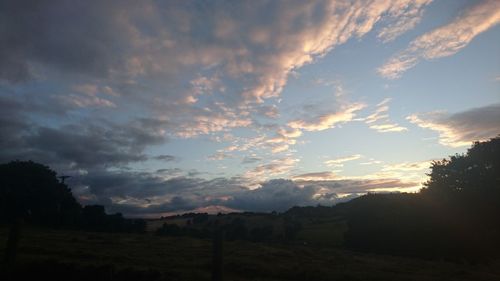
[(457, 214), (32, 191), (474, 174)]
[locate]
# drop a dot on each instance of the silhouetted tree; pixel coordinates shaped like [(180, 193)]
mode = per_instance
[(468, 185), (457, 213), (31, 191), (474, 175), (94, 217), (200, 218)]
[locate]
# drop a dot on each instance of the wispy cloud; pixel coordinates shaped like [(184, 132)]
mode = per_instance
[(379, 120), (165, 158), (404, 16), (358, 186), (446, 40), (205, 121), (276, 167), (84, 101), (315, 176), (384, 128), (338, 162), (328, 120), (462, 128), (219, 155), (251, 159), (407, 166)]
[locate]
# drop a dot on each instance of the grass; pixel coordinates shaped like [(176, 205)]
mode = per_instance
[(323, 232), (182, 258)]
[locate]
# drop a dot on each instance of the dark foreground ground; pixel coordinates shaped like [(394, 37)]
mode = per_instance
[(73, 255)]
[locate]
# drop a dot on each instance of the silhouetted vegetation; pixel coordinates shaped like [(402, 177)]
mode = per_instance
[(32, 192), (456, 217), (234, 228), (94, 218)]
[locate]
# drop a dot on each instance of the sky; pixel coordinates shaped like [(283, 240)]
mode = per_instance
[(162, 107)]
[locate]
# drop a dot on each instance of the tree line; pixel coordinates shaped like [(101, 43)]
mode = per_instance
[(456, 214), (32, 192)]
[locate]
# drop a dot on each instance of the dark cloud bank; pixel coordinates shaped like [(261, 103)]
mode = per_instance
[(149, 194)]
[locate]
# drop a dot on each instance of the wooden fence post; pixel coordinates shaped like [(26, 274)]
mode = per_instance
[(13, 241), (217, 255)]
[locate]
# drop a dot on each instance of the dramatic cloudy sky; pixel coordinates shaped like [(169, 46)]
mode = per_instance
[(155, 107)]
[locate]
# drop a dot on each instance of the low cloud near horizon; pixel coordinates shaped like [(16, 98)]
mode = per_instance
[(462, 128), (151, 195)]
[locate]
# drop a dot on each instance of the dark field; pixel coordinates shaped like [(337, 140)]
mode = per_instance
[(75, 255)]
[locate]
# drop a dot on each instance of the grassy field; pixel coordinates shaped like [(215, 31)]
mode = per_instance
[(182, 258)]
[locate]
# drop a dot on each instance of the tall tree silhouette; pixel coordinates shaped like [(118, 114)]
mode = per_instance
[(456, 214), (474, 176), (31, 191)]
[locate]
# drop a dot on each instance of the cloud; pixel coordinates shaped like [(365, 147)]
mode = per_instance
[(380, 113), (360, 186), (220, 155), (152, 195), (315, 176), (278, 195), (390, 127), (128, 40), (197, 69), (89, 95), (83, 145), (144, 195), (462, 128), (165, 158), (338, 162), (334, 23), (379, 120), (371, 161), (269, 111), (149, 192), (251, 159), (446, 40), (86, 101), (328, 120), (404, 16), (407, 166), (276, 167), (93, 96), (50, 34), (221, 118)]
